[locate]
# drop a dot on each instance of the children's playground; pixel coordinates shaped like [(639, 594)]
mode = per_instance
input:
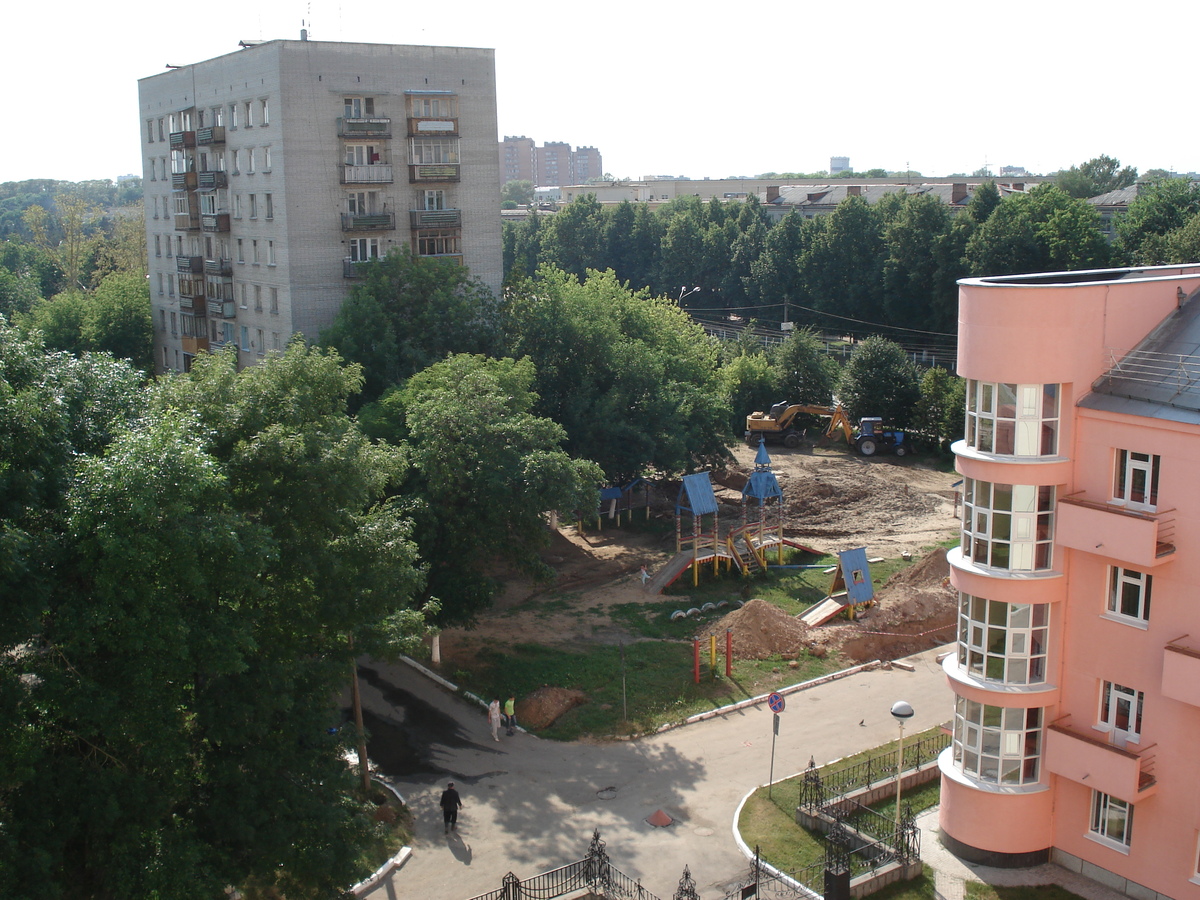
[(839, 514)]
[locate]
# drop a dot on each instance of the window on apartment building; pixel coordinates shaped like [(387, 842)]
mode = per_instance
[(995, 744), (253, 206), (275, 340), (430, 150), (1135, 482), (266, 159), (161, 282), (166, 359), (170, 285), (199, 118), (263, 109), (218, 116), (1008, 526), (188, 326), (254, 251), (162, 320), (248, 108), (435, 199), (250, 161), (1112, 819), (161, 131), (433, 107), (359, 107), (443, 242), (156, 207), (242, 295), (209, 204), (233, 115), (362, 249), (258, 298), (157, 245), (1129, 593), (1004, 642), (237, 206), (269, 202), (227, 332), (174, 328), (245, 339), (362, 203), (275, 302), (1121, 712), (241, 251), (258, 335), (1013, 419), (237, 162), (270, 253), (179, 245), (153, 169), (363, 155)]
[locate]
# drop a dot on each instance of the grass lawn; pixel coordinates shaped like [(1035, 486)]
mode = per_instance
[(977, 891)]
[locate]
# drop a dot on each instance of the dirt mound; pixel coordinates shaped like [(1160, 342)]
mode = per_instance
[(761, 630), (930, 572), (542, 708)]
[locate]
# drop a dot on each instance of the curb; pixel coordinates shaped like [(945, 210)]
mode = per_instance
[(451, 686)]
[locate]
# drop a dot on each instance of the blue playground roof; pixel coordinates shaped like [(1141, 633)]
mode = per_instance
[(700, 496), (762, 485)]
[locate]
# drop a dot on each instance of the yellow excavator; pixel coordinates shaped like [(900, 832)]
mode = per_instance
[(779, 423)]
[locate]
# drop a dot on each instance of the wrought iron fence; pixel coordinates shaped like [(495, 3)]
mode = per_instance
[(819, 786)]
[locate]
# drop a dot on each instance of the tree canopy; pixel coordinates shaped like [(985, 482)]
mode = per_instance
[(1095, 177)]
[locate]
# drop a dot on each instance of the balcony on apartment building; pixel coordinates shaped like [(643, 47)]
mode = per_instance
[(181, 140), (194, 345), (380, 173), (1140, 538), (183, 181), (213, 134), (435, 218), (373, 126), (440, 125), (212, 179), (368, 222), (1093, 759), (189, 265), (432, 172), (215, 222), (191, 294), (220, 266), (353, 268), (221, 309), (1181, 670)]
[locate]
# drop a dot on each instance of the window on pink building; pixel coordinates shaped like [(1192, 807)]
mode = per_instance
[(1135, 481), (1129, 593), (1112, 819), (1003, 642), (1012, 419), (1121, 712), (997, 745), (1008, 526)]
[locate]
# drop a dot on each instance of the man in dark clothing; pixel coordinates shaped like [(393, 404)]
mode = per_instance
[(451, 803)]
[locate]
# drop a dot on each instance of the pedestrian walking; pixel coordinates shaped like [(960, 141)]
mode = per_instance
[(510, 714), (451, 803), (645, 575), (494, 718)]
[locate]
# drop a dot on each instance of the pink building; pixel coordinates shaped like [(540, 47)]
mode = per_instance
[(1077, 672)]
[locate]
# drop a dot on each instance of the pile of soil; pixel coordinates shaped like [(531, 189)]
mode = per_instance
[(543, 707), (761, 630)]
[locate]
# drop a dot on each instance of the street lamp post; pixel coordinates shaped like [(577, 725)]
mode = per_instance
[(901, 712)]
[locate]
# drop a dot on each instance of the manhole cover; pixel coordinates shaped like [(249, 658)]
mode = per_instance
[(703, 832), (606, 793)]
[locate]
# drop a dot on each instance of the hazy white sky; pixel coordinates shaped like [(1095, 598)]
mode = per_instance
[(672, 88)]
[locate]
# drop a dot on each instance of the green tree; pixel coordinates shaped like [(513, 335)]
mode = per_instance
[(486, 470), (842, 265), (18, 293), (880, 380), (941, 410), (119, 320), (188, 562), (920, 269), (984, 201), (1159, 208), (752, 384), (574, 238), (517, 192), (632, 380), (1095, 177), (807, 374), (407, 313)]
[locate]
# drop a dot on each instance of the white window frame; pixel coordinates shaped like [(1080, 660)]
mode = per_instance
[(1008, 526), (998, 745), (264, 112), (363, 249), (1003, 642), (245, 334), (1111, 821), (1013, 419), (1135, 479), (1129, 594), (1121, 712)]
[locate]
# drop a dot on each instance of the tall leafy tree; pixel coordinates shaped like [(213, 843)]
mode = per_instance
[(807, 374), (1095, 177), (880, 380), (409, 312), (486, 470), (841, 267), (1160, 208), (920, 269), (631, 379), (574, 238)]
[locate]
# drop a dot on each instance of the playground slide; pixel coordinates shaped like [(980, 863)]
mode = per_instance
[(667, 574), (822, 612)]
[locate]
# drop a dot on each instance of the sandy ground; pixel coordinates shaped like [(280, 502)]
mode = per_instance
[(833, 500)]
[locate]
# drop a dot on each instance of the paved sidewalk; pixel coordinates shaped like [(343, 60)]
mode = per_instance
[(531, 805)]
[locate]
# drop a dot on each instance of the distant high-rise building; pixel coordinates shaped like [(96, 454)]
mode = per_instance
[(553, 164), (839, 164), (272, 172)]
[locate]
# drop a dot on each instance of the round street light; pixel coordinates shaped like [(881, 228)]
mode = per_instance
[(902, 711)]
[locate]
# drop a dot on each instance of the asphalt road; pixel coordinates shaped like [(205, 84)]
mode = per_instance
[(531, 805)]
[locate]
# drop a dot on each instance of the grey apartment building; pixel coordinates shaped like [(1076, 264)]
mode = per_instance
[(272, 172)]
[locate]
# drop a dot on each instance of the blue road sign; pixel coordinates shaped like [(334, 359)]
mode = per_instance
[(775, 701)]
